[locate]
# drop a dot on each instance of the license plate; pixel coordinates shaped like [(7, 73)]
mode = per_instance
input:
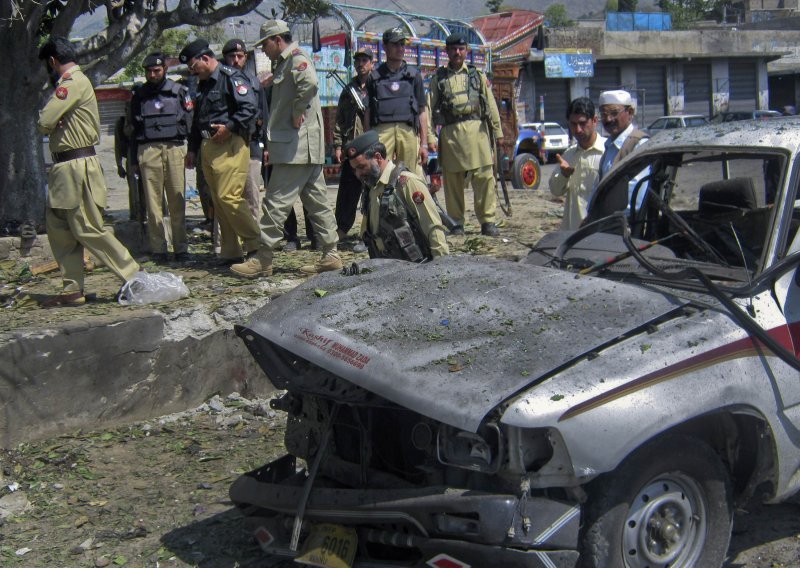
[(329, 546)]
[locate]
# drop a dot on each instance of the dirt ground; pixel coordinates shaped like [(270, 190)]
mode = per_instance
[(155, 493)]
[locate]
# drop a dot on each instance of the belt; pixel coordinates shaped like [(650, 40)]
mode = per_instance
[(68, 155)]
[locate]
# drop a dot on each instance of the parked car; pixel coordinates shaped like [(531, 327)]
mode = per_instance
[(732, 116), (605, 401), (677, 121)]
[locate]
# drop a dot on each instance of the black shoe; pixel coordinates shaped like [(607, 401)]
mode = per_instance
[(292, 245), (456, 231), (159, 257), (182, 257), (315, 245), (490, 230), (226, 262)]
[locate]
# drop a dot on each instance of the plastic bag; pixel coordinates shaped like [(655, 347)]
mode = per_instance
[(149, 288)]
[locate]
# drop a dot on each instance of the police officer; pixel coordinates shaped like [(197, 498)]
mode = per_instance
[(399, 217), (397, 103), (295, 150), (224, 120), (76, 187), (235, 54), (463, 104), (349, 124), (161, 115)]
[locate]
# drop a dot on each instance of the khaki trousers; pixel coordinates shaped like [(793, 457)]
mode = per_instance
[(483, 190), (252, 188), (287, 182), (225, 166), (71, 230), (163, 174), (400, 140)]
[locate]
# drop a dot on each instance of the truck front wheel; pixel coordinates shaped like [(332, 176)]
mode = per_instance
[(525, 173), (668, 504)]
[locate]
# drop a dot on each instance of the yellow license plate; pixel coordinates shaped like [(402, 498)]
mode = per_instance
[(329, 546)]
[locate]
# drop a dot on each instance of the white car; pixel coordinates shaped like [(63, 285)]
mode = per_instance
[(556, 137), (677, 121)]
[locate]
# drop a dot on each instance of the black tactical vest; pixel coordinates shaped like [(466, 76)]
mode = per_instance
[(394, 99), (161, 114)]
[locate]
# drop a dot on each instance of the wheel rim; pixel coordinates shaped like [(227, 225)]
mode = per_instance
[(529, 173), (666, 524)]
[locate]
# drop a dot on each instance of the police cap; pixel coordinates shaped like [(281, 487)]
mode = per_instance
[(233, 45), (455, 39), (154, 60), (365, 51), (272, 28), (195, 49), (394, 35), (357, 146)]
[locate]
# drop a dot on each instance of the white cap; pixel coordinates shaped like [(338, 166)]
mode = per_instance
[(616, 98)]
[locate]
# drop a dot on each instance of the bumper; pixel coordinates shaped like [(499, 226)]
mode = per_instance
[(412, 527)]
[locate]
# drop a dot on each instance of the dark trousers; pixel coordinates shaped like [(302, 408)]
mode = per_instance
[(290, 227), (347, 198)]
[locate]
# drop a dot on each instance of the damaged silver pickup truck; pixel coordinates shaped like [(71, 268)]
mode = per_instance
[(606, 402)]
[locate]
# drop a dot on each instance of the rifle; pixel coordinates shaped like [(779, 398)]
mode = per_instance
[(499, 172), (349, 89), (447, 220)]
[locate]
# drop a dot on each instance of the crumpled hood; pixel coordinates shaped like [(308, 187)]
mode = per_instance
[(453, 338)]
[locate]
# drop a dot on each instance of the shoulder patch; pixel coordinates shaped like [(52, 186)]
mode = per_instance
[(302, 67), (418, 197), (62, 93), (296, 51)]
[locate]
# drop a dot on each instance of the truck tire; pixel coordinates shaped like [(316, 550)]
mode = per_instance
[(668, 504), (525, 172)]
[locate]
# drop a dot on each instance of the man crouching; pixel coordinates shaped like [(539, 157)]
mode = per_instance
[(399, 217)]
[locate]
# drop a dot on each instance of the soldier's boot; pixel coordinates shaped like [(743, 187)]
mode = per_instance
[(490, 230), (258, 263), (330, 261)]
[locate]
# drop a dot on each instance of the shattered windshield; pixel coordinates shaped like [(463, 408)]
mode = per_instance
[(712, 209)]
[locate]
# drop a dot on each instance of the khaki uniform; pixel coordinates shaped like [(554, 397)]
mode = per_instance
[(465, 147), (76, 188), (226, 97), (407, 185), (296, 154)]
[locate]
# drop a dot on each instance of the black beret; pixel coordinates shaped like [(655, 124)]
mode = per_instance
[(195, 49), (154, 60), (455, 39), (357, 146), (233, 45)]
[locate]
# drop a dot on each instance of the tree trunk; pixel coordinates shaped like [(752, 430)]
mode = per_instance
[(22, 174)]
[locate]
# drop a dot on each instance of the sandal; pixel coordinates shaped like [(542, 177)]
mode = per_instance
[(66, 300)]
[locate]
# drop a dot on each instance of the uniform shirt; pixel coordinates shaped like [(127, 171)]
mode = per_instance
[(74, 103), (72, 121), (580, 186), (406, 186), (294, 94), (388, 75), (226, 97), (466, 145), (259, 140), (349, 119)]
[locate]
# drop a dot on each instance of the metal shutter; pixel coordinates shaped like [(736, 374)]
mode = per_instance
[(606, 78), (556, 96), (743, 85), (651, 90), (110, 111), (697, 88)]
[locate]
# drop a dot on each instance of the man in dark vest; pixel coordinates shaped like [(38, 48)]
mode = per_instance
[(400, 219), (617, 110), (161, 116), (397, 109)]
